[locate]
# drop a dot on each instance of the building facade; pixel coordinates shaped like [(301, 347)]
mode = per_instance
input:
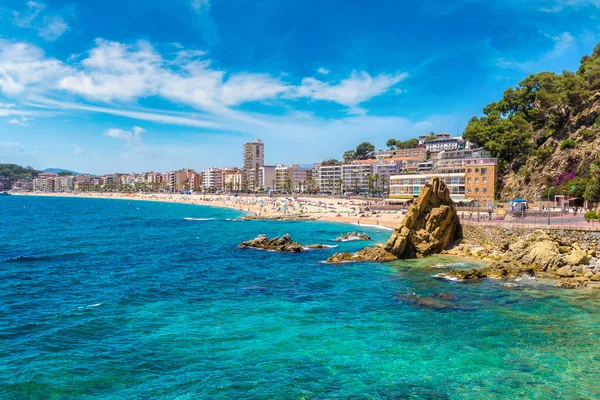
[(254, 158)]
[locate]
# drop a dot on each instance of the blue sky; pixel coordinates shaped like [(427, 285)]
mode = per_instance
[(106, 86)]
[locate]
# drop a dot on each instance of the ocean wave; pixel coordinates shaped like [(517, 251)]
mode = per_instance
[(448, 278), (91, 305), (198, 219), (452, 265)]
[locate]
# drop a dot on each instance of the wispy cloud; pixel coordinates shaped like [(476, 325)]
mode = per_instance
[(50, 27), (115, 72), (323, 71), (563, 45), (133, 140), (22, 121)]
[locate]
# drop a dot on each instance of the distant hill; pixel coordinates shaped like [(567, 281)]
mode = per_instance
[(13, 171), (59, 170)]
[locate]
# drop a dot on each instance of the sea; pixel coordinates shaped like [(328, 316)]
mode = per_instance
[(125, 299)]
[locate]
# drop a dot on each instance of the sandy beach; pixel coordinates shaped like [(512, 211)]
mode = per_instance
[(331, 209)]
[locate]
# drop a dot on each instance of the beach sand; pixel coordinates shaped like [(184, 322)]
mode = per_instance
[(303, 207)]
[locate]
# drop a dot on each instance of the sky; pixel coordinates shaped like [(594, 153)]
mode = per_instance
[(121, 86)]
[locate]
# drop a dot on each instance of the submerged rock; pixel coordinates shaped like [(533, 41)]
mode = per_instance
[(350, 236), (571, 283), (376, 253), (283, 244)]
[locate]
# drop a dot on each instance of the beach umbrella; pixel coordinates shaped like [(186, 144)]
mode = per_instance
[(518, 200)]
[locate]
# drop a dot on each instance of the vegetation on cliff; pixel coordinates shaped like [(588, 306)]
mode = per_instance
[(546, 133), (14, 171)]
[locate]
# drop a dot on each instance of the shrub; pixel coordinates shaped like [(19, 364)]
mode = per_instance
[(587, 133), (591, 215), (567, 144), (543, 153)]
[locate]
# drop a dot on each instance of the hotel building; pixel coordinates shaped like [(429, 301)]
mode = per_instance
[(470, 174)]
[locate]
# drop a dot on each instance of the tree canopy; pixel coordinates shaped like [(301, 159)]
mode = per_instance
[(14, 171)]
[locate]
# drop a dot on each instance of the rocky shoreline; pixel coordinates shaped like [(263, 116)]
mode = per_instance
[(567, 256)]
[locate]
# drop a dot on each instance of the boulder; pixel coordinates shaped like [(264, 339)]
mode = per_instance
[(376, 253), (350, 236), (496, 270), (283, 244), (565, 272), (577, 257), (430, 226), (538, 251), (571, 283)]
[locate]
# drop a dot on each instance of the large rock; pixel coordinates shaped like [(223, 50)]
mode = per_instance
[(350, 236), (377, 253), (537, 251), (571, 283), (430, 226), (496, 270), (283, 244), (577, 257)]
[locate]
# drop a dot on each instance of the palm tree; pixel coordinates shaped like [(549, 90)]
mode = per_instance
[(356, 180), (377, 177)]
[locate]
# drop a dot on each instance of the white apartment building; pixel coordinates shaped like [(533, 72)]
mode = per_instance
[(212, 179), (410, 186), (267, 177), (329, 178), (356, 175)]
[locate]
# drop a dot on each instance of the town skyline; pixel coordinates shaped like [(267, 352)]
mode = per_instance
[(187, 83)]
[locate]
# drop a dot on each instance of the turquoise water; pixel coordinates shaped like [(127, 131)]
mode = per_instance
[(129, 299)]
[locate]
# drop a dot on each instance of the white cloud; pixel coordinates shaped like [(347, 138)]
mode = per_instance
[(134, 136), (356, 89), (564, 45), (50, 27), (200, 5), (7, 105), (559, 5), (323, 71), (23, 121)]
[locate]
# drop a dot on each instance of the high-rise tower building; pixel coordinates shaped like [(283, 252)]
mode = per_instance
[(254, 158)]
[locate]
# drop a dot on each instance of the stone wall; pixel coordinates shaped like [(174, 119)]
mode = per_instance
[(498, 236)]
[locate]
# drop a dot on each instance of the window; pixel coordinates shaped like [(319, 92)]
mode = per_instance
[(476, 169), (476, 190), (455, 181), (483, 171), (485, 179), (416, 190), (476, 180), (469, 190), (469, 180), (484, 190), (469, 170)]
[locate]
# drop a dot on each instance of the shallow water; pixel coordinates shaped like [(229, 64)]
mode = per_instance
[(130, 299)]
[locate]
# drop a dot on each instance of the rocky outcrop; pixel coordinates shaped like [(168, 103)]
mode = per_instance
[(376, 253), (571, 283), (430, 226), (351, 236), (537, 251), (496, 270), (577, 257), (283, 244)]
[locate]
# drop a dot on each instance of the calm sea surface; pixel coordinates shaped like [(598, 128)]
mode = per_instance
[(137, 300)]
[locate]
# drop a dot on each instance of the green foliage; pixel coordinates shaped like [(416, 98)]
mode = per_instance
[(587, 133), (568, 144), (331, 162), (543, 153), (591, 215), (364, 151), (391, 144), (542, 103), (549, 191), (349, 155), (407, 144), (65, 173), (13, 171)]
